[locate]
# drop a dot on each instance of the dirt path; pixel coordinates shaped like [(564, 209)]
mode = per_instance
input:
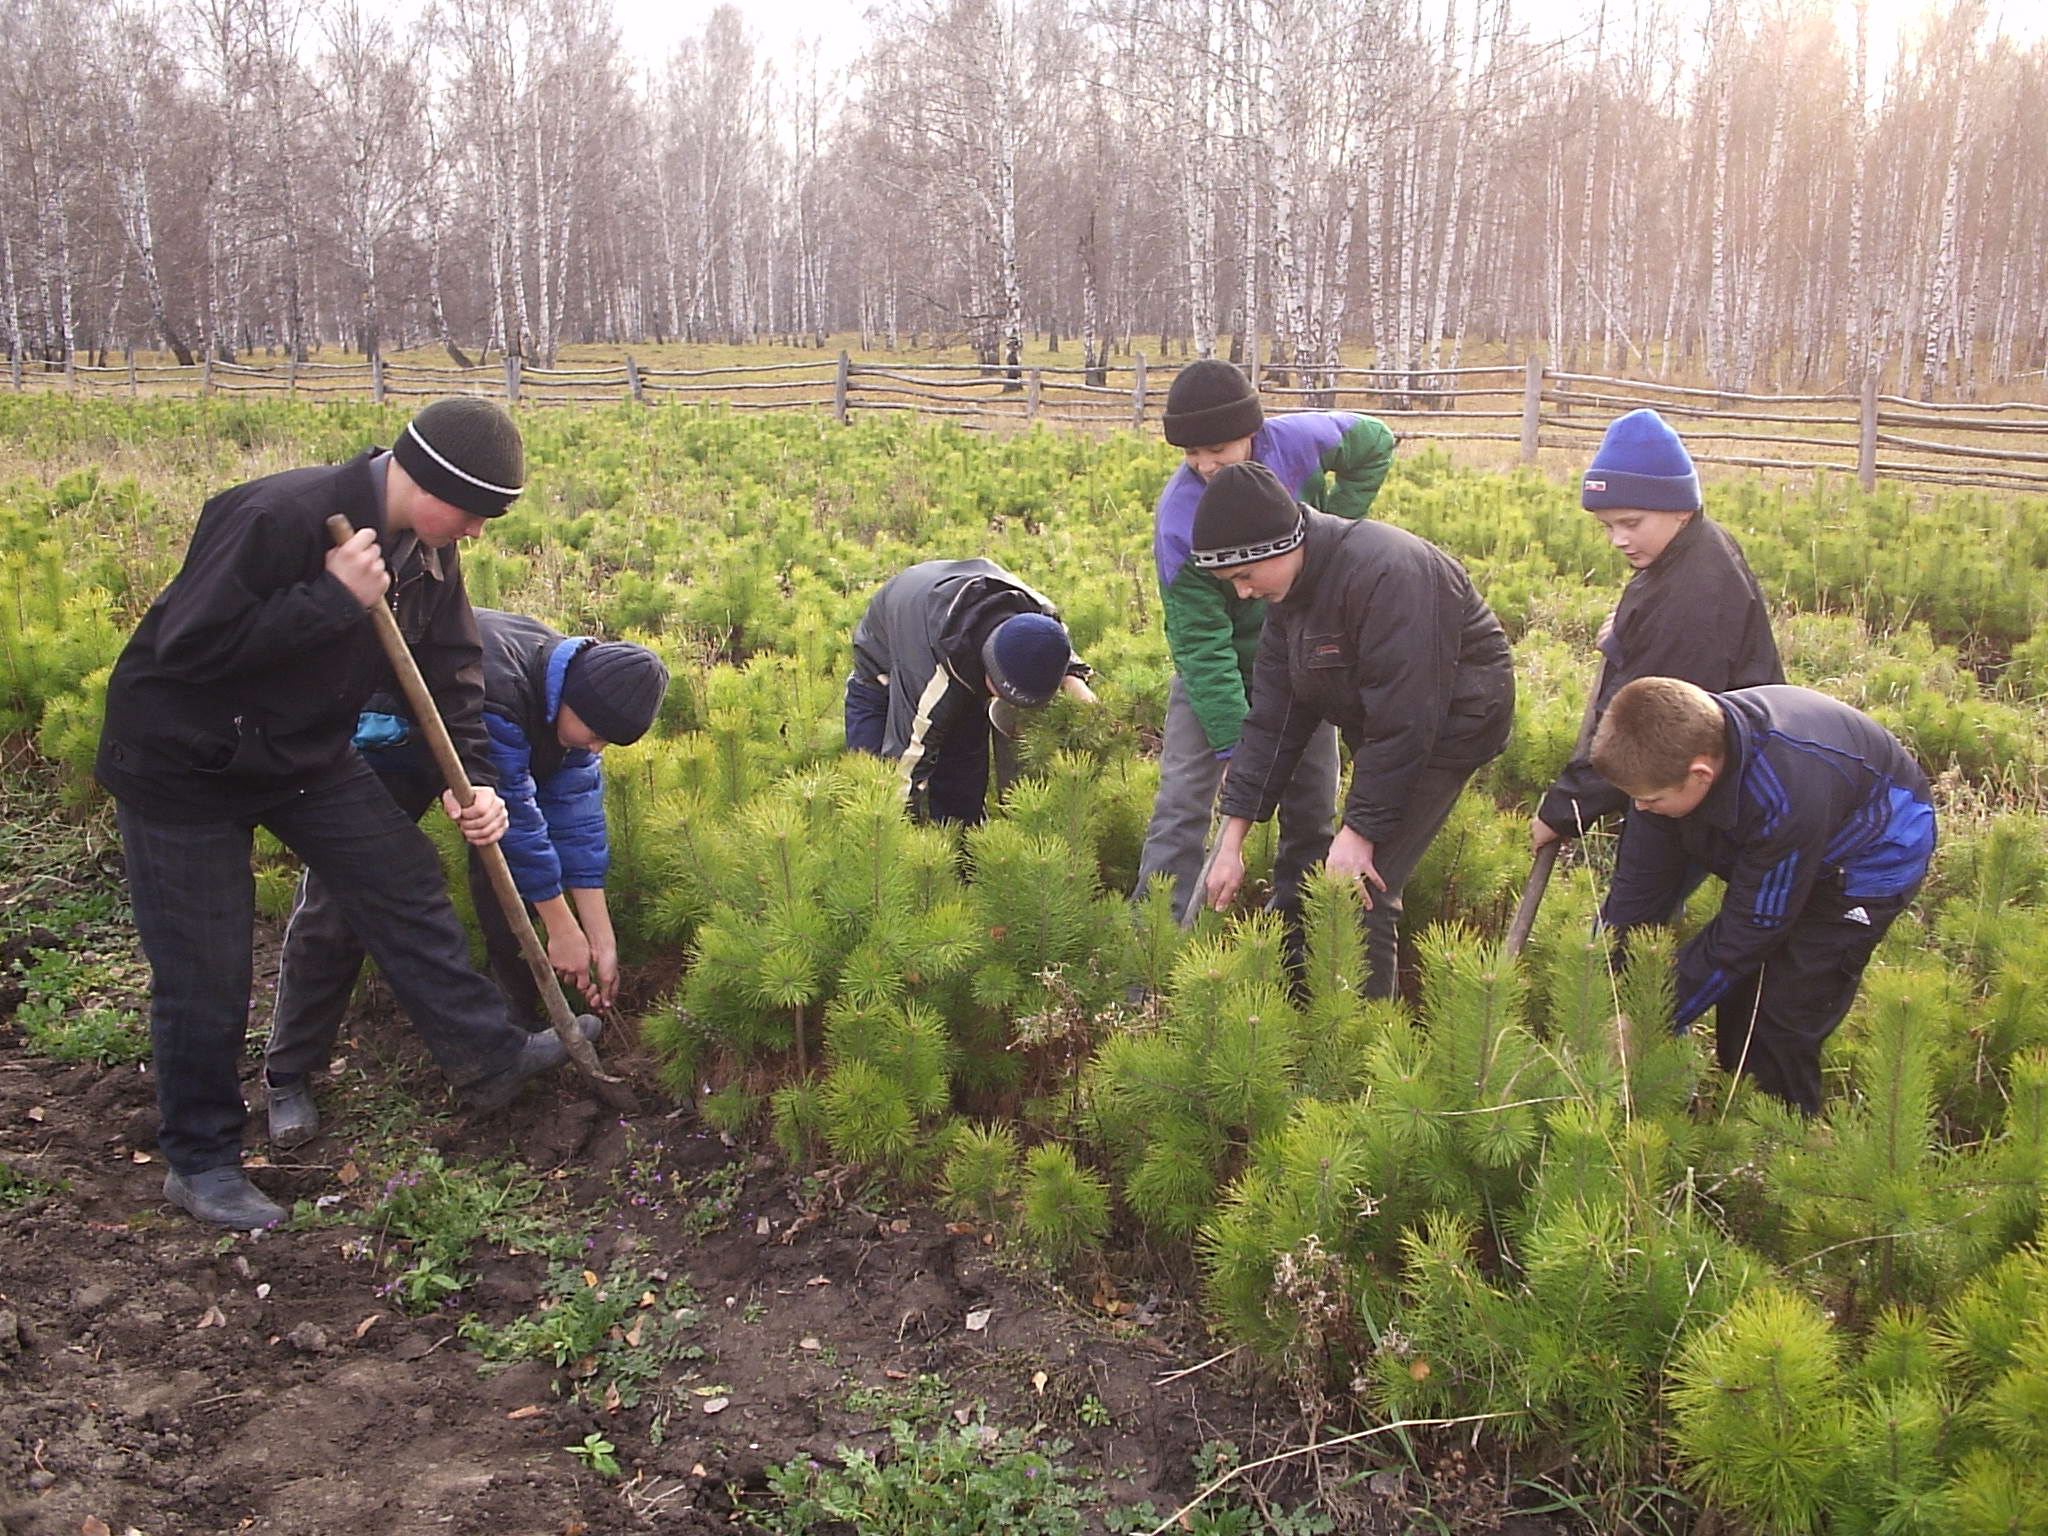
[(159, 1377)]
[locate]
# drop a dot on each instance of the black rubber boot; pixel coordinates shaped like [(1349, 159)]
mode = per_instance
[(538, 1053), (294, 1117), (224, 1197)]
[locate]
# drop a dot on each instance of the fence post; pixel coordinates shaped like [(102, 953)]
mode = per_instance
[(1866, 433), (840, 375), (14, 363), (291, 376), (133, 389), (206, 374), (1532, 407), (1138, 393), (633, 380), (1031, 384), (512, 378), (376, 378), (71, 368)]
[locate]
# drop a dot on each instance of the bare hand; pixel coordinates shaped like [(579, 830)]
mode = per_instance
[(569, 954), (1350, 858), (1226, 878), (359, 566), (602, 987), (1542, 832), (483, 821), (1078, 689)]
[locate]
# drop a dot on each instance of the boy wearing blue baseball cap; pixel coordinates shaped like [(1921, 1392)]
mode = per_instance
[(1692, 610), (946, 650)]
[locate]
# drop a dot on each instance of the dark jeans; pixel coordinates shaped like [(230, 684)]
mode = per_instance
[(1773, 1021), (194, 902), (322, 956), (957, 789), (1430, 799)]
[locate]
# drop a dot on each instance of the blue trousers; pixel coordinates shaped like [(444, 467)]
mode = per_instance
[(194, 900), (957, 789)]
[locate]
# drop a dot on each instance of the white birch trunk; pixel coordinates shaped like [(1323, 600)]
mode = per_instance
[(1942, 281)]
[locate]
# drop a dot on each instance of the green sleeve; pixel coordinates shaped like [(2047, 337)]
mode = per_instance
[(1201, 635), (1358, 467)]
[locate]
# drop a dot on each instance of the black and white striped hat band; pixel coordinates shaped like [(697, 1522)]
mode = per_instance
[(1248, 554), (507, 491)]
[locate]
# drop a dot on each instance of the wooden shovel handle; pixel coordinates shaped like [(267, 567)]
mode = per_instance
[(1546, 856), (427, 716)]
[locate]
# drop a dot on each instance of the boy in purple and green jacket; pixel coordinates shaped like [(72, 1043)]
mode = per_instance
[(1332, 460)]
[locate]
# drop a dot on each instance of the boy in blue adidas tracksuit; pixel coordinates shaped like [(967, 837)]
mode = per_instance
[(1822, 826), (552, 704)]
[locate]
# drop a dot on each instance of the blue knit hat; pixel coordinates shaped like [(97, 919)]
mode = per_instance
[(1025, 656), (1641, 466)]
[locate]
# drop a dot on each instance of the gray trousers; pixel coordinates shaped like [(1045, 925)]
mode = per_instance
[(1189, 772), (316, 973)]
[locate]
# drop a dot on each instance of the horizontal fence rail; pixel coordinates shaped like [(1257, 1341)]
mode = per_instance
[(1869, 434)]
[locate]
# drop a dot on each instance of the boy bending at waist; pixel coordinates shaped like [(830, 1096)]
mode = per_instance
[(1822, 826)]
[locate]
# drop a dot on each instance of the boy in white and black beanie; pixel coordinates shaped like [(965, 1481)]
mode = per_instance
[(235, 704), (1332, 460)]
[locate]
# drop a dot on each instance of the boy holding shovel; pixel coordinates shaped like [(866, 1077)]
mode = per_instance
[(233, 706), (551, 706)]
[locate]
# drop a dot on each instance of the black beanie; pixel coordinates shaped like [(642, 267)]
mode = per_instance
[(1243, 517), (1211, 402), (615, 688), (464, 451)]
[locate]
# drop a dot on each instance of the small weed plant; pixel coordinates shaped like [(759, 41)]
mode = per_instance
[(961, 1481), (613, 1333), (18, 1188), (598, 1454), (69, 1009), (425, 1220), (921, 1400)]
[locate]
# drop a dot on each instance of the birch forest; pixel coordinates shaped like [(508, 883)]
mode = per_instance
[(1735, 191)]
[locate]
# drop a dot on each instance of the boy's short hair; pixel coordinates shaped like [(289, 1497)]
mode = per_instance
[(1653, 730)]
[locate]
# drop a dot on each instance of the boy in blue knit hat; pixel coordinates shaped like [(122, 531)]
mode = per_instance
[(946, 653), (1692, 610)]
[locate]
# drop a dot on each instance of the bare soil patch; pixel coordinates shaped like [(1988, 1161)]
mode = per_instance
[(161, 1376)]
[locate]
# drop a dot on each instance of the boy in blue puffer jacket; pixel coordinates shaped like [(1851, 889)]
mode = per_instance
[(552, 704), (1816, 817)]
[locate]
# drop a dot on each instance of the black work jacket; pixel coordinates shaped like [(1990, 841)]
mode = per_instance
[(1694, 613), (1383, 635), (241, 685)]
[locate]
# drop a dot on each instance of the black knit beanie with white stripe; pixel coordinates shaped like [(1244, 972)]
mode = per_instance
[(464, 451)]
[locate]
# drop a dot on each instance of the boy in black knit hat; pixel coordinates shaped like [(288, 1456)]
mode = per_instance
[(1335, 460), (1379, 634), (232, 707), (551, 707)]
